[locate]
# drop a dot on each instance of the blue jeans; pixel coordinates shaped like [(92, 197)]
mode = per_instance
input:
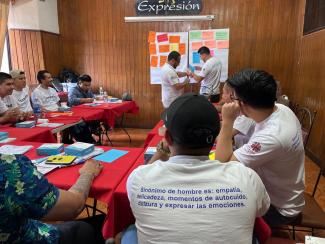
[(130, 236)]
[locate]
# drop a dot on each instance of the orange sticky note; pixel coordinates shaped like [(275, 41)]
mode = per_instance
[(152, 36), (164, 48), (154, 61), (196, 45), (182, 48), (210, 44), (174, 39), (152, 49), (223, 44), (163, 60), (207, 35)]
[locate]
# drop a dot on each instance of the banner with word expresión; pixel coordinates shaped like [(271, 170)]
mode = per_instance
[(160, 45)]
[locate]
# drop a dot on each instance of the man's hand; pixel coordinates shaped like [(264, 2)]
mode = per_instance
[(91, 167), (89, 100), (230, 112)]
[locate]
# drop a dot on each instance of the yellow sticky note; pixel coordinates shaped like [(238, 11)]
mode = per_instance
[(212, 156), (174, 47)]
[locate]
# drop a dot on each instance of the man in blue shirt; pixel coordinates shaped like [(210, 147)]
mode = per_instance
[(82, 92)]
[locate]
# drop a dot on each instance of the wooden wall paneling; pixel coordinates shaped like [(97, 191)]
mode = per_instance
[(51, 51), (262, 35), (4, 12)]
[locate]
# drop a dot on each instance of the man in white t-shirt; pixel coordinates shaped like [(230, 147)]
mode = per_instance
[(179, 193), (21, 91), (209, 76), (9, 112), (275, 150), (171, 87), (44, 95)]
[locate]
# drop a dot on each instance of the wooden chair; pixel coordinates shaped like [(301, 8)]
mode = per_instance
[(312, 217), (306, 119)]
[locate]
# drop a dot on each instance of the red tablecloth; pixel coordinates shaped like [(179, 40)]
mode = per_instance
[(103, 186), (112, 110), (36, 134), (153, 133), (120, 214)]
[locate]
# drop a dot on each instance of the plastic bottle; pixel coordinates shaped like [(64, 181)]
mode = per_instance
[(37, 109), (101, 91)]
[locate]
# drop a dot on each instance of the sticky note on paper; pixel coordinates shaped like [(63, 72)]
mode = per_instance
[(111, 155), (195, 35), (223, 44), (152, 49), (154, 61), (162, 60), (210, 44), (152, 36), (182, 48), (164, 48), (174, 39), (174, 47), (212, 53), (196, 58), (196, 45), (207, 35), (222, 35), (162, 38)]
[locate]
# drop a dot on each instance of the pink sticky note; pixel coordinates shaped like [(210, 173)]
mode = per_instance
[(196, 45), (207, 35), (162, 38), (210, 44), (223, 44)]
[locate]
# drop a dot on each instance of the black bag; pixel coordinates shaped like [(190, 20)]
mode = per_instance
[(82, 133), (126, 96)]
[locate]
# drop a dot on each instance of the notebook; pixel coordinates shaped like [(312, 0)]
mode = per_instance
[(111, 155)]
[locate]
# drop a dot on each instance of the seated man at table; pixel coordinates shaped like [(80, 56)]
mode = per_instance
[(275, 150), (26, 197), (44, 95), (9, 111), (185, 197), (82, 92), (21, 91)]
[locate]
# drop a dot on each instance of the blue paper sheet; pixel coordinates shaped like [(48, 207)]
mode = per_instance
[(110, 156), (196, 58)]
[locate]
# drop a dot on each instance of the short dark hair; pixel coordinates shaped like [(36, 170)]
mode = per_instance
[(84, 77), (4, 76), (173, 55), (40, 75), (204, 50), (257, 88)]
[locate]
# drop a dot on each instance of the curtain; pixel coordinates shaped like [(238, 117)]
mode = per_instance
[(4, 11)]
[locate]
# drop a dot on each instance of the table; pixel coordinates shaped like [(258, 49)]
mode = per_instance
[(112, 110), (120, 214), (36, 134), (153, 133)]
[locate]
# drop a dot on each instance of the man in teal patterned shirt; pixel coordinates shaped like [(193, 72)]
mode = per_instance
[(26, 197)]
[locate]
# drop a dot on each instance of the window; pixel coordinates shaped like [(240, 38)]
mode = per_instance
[(314, 16), (5, 65)]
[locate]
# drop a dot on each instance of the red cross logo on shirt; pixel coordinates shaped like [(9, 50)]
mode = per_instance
[(256, 147)]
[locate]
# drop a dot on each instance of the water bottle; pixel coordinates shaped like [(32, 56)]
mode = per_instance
[(101, 92), (37, 109)]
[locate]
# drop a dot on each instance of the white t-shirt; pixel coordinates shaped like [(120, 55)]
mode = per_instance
[(196, 200), (169, 78), (211, 72), (10, 101), (22, 99), (276, 152), (47, 98), (3, 107), (245, 126)]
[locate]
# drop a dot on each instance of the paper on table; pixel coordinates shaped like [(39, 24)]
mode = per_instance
[(8, 140), (111, 155), (314, 240), (11, 149), (51, 125), (45, 168)]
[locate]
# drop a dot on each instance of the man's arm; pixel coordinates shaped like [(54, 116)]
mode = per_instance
[(224, 150), (71, 202), (181, 74), (10, 116), (179, 86)]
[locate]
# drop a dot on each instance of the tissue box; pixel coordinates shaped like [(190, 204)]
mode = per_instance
[(149, 153), (79, 149), (25, 124), (50, 149), (3, 135)]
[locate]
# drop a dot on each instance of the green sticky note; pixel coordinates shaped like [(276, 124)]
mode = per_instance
[(224, 35), (195, 35)]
